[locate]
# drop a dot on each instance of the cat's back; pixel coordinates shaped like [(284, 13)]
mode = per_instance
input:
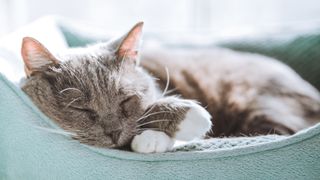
[(217, 65), (238, 87)]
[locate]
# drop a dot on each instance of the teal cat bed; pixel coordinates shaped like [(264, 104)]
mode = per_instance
[(32, 148)]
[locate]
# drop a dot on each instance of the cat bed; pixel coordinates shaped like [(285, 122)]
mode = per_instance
[(32, 147)]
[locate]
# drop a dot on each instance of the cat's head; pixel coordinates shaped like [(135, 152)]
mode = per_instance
[(98, 93)]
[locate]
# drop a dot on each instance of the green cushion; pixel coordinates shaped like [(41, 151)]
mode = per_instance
[(77, 35), (75, 38), (32, 148)]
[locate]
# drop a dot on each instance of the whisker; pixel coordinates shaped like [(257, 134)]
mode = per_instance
[(168, 82), (170, 91), (144, 129), (151, 108), (56, 131), (154, 121), (71, 102), (155, 78), (163, 94), (155, 113), (148, 129), (67, 89)]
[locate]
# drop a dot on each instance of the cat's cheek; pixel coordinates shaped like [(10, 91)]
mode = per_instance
[(151, 141), (196, 124)]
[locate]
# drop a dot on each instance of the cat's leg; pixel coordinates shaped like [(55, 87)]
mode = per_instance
[(263, 125), (170, 119), (282, 115)]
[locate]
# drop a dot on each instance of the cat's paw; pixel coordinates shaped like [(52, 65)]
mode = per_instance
[(196, 124), (151, 141)]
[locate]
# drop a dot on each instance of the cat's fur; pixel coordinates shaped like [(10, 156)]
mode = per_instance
[(246, 94), (106, 99)]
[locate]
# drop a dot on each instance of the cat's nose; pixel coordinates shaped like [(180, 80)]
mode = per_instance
[(122, 138), (115, 135)]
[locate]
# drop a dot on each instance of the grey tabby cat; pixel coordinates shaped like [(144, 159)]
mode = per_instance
[(102, 95)]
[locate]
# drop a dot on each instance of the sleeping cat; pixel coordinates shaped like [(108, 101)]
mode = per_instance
[(105, 98)]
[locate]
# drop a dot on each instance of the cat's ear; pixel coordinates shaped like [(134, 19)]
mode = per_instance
[(36, 57), (128, 47)]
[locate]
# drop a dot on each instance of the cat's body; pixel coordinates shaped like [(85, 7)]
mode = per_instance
[(102, 96), (246, 94)]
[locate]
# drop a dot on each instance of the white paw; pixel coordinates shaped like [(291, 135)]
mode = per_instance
[(151, 141), (196, 123)]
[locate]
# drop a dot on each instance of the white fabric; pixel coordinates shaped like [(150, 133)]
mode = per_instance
[(45, 30)]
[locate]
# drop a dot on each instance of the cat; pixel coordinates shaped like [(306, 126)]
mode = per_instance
[(107, 98), (102, 96), (246, 94)]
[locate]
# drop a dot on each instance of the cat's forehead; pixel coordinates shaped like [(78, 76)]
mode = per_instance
[(89, 63), (86, 70), (97, 65)]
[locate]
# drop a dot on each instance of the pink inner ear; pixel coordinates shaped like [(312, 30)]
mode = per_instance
[(35, 55), (129, 46)]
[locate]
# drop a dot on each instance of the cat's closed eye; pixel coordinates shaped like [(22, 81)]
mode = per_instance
[(91, 113), (79, 108)]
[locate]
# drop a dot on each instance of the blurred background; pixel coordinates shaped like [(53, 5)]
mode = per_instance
[(183, 17), (288, 30)]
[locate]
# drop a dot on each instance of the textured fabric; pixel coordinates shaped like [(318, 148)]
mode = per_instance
[(225, 143), (31, 148), (44, 29)]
